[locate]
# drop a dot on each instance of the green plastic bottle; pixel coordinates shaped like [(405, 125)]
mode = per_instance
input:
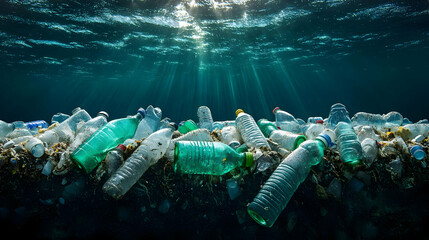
[(211, 158), (289, 141), (187, 127), (88, 155)]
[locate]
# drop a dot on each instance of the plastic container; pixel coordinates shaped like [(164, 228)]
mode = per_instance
[(286, 121), (367, 132), (36, 124), (196, 135), (146, 155), (188, 126), (87, 129), (411, 131), (31, 144), (417, 152), (378, 121), (231, 136), (289, 141), (314, 119), (88, 155), (369, 151), (249, 130), (337, 114), (149, 124), (205, 117), (348, 145), (211, 158), (279, 188), (313, 130)]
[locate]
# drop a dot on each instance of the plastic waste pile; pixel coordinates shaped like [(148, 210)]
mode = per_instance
[(121, 151)]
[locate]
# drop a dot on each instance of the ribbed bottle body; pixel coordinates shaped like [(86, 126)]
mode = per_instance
[(250, 132)]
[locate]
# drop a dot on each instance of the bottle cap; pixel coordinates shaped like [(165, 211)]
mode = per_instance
[(76, 110), (103, 113), (142, 112), (418, 152), (249, 159), (300, 139), (181, 123), (238, 112), (121, 147), (275, 109), (319, 121)]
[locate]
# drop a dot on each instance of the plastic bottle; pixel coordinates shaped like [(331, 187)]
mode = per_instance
[(289, 141), (31, 144), (417, 152), (67, 129), (249, 130), (146, 155), (279, 188), (205, 117), (348, 145), (286, 121), (312, 130), (89, 154), (221, 124), (149, 124), (114, 159), (411, 131), (367, 132), (337, 114), (88, 129), (188, 126), (36, 124), (196, 135), (389, 120), (59, 118), (19, 132), (314, 119), (231, 136), (369, 151), (211, 158)]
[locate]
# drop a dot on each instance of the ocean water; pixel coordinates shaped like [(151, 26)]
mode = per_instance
[(302, 56)]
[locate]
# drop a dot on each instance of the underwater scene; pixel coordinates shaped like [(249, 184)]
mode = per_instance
[(214, 119)]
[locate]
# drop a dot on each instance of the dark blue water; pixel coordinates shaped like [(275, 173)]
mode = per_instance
[(302, 56)]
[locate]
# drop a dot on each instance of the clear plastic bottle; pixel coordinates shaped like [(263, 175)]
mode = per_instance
[(31, 144), (205, 117), (279, 188), (211, 158), (314, 119), (231, 136), (369, 151), (337, 114), (36, 124), (348, 145), (149, 124), (286, 121), (287, 140), (114, 159), (146, 155), (88, 129), (378, 121), (89, 154), (196, 135), (249, 130), (313, 130)]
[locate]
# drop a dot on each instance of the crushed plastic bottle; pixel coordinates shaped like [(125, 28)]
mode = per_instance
[(89, 154), (115, 159), (378, 121), (249, 130), (279, 188), (211, 158), (5, 128), (411, 131), (31, 144), (286, 121), (367, 132), (231, 136), (146, 155), (337, 114), (312, 130), (289, 141), (205, 117), (348, 145), (369, 151), (59, 118)]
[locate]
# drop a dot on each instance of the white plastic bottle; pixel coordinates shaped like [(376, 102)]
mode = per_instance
[(249, 130), (205, 117), (146, 155), (231, 136), (369, 151)]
